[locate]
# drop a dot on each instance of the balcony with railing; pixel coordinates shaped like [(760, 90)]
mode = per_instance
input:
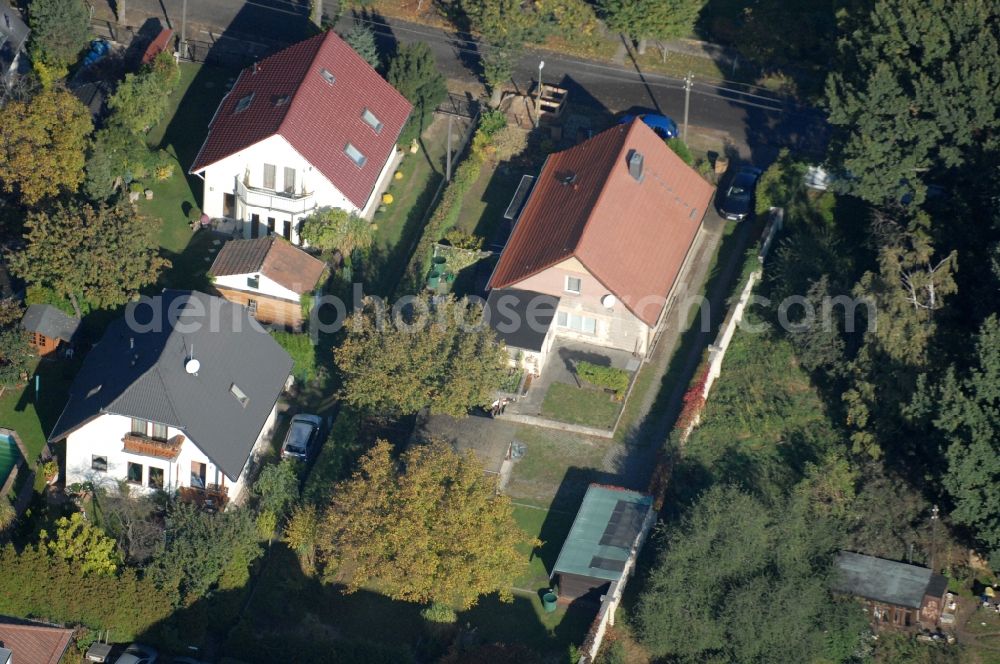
[(279, 201), (212, 496), (135, 443)]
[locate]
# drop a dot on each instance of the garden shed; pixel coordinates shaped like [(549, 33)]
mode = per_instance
[(48, 328), (606, 533)]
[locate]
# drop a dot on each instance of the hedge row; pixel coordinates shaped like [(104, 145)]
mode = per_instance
[(607, 377)]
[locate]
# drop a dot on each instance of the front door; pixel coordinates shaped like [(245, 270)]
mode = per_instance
[(254, 225), (229, 206), (270, 225), (286, 230)]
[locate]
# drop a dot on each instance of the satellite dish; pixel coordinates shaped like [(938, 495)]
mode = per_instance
[(192, 366), (608, 301)]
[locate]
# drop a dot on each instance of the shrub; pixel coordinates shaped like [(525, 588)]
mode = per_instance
[(439, 613), (780, 183), (606, 377), (681, 149), (462, 240), (302, 351)]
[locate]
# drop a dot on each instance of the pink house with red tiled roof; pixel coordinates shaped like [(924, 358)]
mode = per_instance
[(309, 127)]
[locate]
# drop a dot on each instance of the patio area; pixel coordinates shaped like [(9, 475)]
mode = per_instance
[(559, 394)]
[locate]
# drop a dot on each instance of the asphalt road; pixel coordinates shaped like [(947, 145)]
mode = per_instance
[(756, 122)]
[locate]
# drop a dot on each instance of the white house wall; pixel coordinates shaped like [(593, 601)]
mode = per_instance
[(103, 435), (220, 179), (266, 286)]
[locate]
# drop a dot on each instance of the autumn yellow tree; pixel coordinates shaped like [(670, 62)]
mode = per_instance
[(425, 528), (43, 143)]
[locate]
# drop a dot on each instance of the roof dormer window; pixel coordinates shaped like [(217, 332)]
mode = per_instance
[(244, 103), (355, 155), (240, 395), (371, 120), (327, 75)]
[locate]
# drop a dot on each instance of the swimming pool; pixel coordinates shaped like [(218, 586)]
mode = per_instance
[(9, 456)]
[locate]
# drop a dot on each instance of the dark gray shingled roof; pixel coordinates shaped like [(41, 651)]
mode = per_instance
[(46, 319), (884, 580), (140, 373), (520, 317)]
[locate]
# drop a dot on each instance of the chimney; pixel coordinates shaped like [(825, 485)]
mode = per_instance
[(635, 165)]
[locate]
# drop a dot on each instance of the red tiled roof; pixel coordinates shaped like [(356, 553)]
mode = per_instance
[(274, 257), (631, 236), (292, 98), (34, 644)]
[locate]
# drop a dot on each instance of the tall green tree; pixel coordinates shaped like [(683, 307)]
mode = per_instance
[(426, 528), (205, 551), (969, 419), (415, 74), (15, 355), (102, 254), (439, 355), (740, 581), (362, 39), (917, 87), (43, 144), (59, 31), (652, 19), (115, 155), (505, 26), (330, 229), (141, 98)]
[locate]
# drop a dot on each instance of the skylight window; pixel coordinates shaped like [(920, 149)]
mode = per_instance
[(243, 104), (327, 75), (94, 390), (372, 121), (239, 394), (355, 155)]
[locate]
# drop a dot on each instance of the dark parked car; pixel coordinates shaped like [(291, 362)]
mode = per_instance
[(737, 201), (137, 654), (664, 127), (302, 439)]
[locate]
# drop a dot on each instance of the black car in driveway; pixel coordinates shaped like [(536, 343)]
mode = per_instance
[(737, 200)]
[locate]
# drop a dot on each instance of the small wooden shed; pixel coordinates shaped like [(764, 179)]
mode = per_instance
[(896, 594), (48, 328), (605, 533)]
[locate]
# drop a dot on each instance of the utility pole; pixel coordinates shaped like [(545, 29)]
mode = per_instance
[(184, 18), (934, 523), (538, 101), (688, 83), (447, 168)]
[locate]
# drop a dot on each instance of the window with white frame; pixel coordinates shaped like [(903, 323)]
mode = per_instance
[(576, 322), (573, 285)]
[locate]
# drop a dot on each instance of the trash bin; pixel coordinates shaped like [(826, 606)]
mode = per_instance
[(433, 279), (549, 601)]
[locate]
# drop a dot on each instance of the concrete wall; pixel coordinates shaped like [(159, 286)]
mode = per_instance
[(616, 327), (103, 437)]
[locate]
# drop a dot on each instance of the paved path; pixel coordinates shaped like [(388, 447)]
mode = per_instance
[(658, 410)]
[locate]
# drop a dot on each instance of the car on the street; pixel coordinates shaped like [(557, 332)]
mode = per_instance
[(664, 127), (737, 200), (137, 653), (302, 439)]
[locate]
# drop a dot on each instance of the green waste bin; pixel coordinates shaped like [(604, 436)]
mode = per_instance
[(549, 601)]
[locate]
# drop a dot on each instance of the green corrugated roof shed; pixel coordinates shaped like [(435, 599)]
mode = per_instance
[(881, 580), (596, 521)]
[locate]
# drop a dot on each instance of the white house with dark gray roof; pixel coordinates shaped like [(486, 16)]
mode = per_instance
[(180, 395)]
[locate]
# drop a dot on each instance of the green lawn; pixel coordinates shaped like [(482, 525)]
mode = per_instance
[(580, 405), (33, 418), (400, 224), (181, 134), (557, 468)]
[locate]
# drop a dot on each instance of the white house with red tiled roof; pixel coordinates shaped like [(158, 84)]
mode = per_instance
[(309, 127)]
